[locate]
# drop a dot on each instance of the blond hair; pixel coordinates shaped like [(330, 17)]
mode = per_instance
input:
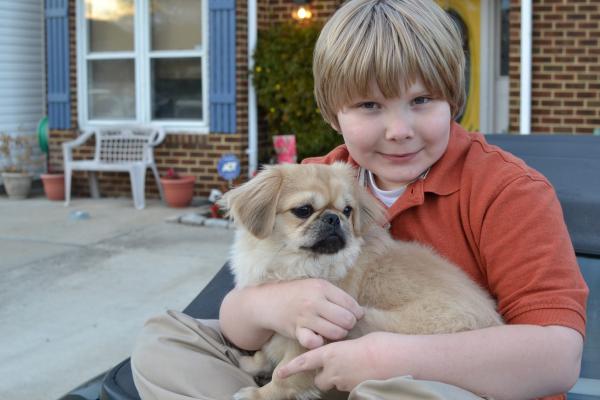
[(393, 42)]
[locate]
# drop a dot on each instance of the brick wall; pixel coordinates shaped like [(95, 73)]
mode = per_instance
[(281, 10), (566, 66), (187, 153)]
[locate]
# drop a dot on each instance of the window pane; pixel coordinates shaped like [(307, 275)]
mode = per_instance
[(176, 88), (176, 24), (111, 89), (110, 25)]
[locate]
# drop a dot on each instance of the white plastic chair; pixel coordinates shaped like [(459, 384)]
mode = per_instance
[(127, 149)]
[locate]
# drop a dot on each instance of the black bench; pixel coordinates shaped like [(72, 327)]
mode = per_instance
[(571, 163)]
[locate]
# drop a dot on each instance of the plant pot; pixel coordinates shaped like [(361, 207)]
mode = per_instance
[(285, 148), (54, 186), (178, 192), (17, 184)]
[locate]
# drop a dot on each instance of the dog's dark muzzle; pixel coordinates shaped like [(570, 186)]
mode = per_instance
[(331, 238)]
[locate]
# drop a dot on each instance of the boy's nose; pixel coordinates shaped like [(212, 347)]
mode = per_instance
[(398, 128)]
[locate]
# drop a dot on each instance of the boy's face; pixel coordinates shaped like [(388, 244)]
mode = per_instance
[(396, 139)]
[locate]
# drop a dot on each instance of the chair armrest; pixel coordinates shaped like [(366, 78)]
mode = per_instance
[(68, 146), (157, 137), (80, 140)]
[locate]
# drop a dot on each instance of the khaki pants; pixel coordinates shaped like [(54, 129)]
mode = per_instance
[(178, 357)]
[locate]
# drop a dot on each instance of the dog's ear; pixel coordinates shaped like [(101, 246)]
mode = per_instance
[(254, 204), (369, 212)]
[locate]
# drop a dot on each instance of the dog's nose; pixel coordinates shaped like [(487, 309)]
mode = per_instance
[(331, 219)]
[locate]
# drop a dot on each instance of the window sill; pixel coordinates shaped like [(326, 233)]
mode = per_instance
[(173, 127)]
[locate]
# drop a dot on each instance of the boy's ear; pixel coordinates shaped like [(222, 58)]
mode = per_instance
[(254, 204)]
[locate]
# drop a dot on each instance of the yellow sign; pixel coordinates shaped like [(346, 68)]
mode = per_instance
[(468, 15)]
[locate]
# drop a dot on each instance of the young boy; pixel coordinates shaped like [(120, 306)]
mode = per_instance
[(389, 78)]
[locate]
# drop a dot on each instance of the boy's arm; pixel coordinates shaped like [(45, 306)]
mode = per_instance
[(504, 362), (308, 310), (238, 324)]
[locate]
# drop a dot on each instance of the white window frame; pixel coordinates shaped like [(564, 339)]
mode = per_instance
[(142, 56), (493, 89)]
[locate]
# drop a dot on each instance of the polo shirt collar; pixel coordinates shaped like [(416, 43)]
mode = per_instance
[(444, 176)]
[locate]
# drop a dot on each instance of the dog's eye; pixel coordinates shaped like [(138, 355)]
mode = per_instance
[(303, 211), (347, 211)]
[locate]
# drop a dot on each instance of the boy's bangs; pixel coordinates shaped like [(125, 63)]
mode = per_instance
[(391, 43), (387, 58)]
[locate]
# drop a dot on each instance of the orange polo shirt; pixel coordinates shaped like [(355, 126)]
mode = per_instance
[(498, 220)]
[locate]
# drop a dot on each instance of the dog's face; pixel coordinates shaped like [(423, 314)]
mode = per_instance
[(310, 209), (317, 210)]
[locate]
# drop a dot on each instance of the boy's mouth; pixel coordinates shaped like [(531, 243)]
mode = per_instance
[(399, 157)]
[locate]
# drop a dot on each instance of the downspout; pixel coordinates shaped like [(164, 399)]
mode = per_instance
[(525, 116), (252, 150)]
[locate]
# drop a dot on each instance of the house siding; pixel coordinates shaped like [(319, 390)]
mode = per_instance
[(22, 79), (21, 68)]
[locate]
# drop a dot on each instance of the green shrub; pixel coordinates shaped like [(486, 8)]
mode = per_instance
[(284, 85)]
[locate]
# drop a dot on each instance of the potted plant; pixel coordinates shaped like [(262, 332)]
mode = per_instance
[(15, 152), (54, 185), (178, 189)]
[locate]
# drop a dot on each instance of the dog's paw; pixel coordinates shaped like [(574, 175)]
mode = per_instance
[(247, 393)]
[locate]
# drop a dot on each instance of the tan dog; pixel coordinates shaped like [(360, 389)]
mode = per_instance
[(314, 221)]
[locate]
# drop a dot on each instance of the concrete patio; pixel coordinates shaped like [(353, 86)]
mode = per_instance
[(74, 293)]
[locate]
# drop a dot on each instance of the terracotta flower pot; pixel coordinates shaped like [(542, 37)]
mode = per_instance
[(54, 186), (178, 191)]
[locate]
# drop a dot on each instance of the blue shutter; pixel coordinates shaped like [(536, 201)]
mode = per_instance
[(57, 59), (222, 65)]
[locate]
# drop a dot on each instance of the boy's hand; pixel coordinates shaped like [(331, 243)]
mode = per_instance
[(342, 365), (311, 310)]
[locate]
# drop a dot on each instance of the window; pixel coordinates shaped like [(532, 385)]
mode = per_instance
[(143, 61)]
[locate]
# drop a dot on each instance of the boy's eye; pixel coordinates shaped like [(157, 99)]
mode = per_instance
[(369, 105), (303, 212), (421, 100)]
